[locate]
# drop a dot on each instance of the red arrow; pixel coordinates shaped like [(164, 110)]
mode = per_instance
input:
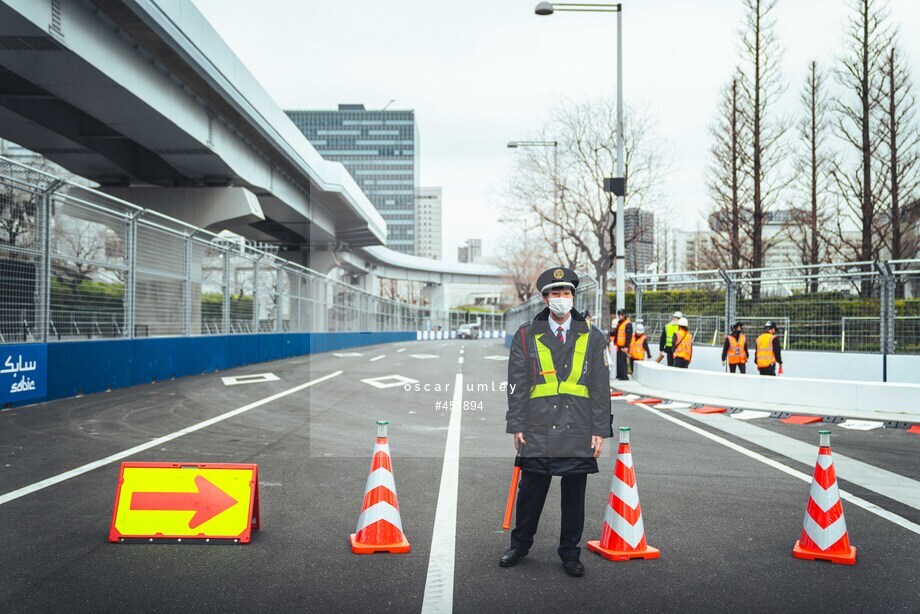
[(207, 503)]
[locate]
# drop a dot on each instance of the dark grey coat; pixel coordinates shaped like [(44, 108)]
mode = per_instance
[(558, 428)]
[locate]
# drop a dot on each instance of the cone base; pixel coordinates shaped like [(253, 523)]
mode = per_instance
[(395, 548), (811, 555), (623, 555)]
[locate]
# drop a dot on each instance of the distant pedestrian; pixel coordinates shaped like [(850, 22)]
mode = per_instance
[(769, 351), (665, 347), (638, 347), (735, 349), (624, 332), (682, 344)]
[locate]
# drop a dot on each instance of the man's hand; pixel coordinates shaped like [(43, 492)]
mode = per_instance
[(723, 363), (597, 444), (519, 441)]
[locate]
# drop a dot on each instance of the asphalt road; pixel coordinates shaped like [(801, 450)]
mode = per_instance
[(725, 522)]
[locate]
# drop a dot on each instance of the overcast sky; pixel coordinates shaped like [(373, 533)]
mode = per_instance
[(480, 73)]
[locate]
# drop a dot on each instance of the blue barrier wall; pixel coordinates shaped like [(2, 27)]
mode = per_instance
[(85, 367)]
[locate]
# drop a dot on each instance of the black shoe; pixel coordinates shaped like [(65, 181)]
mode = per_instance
[(512, 556), (573, 567)]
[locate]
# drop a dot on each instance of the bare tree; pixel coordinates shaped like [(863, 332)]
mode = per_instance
[(857, 176), (524, 258), (901, 143), (571, 210), (727, 180), (809, 229), (763, 84)]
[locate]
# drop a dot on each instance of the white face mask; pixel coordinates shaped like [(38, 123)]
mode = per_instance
[(560, 306)]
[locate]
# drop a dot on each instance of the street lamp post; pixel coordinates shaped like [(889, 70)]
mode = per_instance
[(555, 145), (617, 184)]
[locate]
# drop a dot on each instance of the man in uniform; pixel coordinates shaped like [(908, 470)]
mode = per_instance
[(682, 344), (667, 338), (624, 334), (735, 349), (769, 351), (559, 414)]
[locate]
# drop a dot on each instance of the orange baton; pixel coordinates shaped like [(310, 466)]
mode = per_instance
[(512, 492)]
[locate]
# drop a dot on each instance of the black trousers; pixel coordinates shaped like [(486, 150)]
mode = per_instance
[(622, 364), (531, 496), (681, 363), (742, 368), (669, 354), (771, 370)]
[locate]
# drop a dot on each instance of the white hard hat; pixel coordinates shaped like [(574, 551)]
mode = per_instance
[(677, 315), (640, 328), (683, 322)]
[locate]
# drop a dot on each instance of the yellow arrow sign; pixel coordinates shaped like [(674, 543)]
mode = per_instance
[(167, 501)]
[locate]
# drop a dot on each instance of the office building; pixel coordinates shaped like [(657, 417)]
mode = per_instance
[(428, 239), (639, 232), (471, 252), (380, 150)]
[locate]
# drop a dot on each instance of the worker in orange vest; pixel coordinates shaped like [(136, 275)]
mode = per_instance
[(624, 333), (638, 347), (769, 351), (682, 344), (735, 349)]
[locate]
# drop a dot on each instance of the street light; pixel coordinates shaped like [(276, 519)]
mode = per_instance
[(617, 185), (555, 146)]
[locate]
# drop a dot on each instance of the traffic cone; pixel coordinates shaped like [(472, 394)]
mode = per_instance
[(824, 530), (379, 526), (623, 534)]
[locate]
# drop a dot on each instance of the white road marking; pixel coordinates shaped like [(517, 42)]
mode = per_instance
[(423, 356), (439, 585), (861, 425), (375, 358), (866, 505), (255, 378), (26, 490), (389, 381), (460, 360), (495, 357), (870, 477), (750, 414), (347, 354), (401, 350)]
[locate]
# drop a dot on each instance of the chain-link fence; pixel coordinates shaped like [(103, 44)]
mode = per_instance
[(855, 307), (78, 264)]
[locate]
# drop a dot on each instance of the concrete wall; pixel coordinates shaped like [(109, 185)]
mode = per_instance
[(84, 367), (824, 365), (839, 394)]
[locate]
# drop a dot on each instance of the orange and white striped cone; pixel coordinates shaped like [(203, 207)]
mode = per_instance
[(824, 531), (623, 534), (379, 525)]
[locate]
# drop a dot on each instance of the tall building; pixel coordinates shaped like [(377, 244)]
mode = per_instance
[(639, 232), (428, 240), (380, 150), (471, 252)]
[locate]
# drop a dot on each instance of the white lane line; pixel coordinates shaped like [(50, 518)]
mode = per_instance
[(439, 585), (886, 483), (378, 357), (401, 350), (866, 505), (460, 360), (26, 490)]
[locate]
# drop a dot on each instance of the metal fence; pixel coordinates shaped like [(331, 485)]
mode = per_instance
[(78, 264), (853, 307)]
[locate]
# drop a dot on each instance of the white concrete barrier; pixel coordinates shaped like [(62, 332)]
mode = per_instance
[(829, 394)]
